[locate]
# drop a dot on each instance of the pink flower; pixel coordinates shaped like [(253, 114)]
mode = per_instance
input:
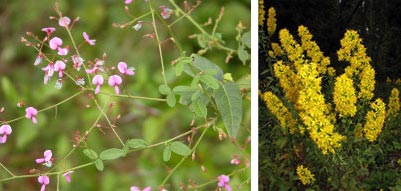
[(5, 130), (59, 67), (67, 176), (235, 160), (62, 51), (98, 81), (89, 41), (78, 61), (55, 43), (138, 25), (49, 71), (128, 2), (223, 182), (122, 67), (166, 12), (38, 59), (43, 180), (115, 80), (97, 67), (47, 158), (64, 21), (31, 113), (134, 188), (48, 30)]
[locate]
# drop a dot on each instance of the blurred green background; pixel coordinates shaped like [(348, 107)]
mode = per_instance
[(152, 121)]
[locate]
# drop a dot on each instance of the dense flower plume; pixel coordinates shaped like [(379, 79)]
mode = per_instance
[(375, 120), (305, 175), (344, 96), (271, 21)]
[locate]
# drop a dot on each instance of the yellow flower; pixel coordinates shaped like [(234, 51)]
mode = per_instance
[(312, 49), (313, 110), (288, 81), (271, 21), (344, 96), (277, 49), (261, 12), (294, 51), (280, 111), (305, 175), (394, 103), (375, 120), (353, 51)]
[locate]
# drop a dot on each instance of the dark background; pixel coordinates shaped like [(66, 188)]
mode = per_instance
[(378, 23)]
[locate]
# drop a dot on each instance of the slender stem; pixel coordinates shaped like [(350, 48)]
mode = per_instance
[(158, 41), (172, 35), (5, 168), (77, 51), (108, 121), (133, 97), (58, 182), (178, 136), (47, 174), (189, 18), (184, 158), (47, 108), (137, 18)]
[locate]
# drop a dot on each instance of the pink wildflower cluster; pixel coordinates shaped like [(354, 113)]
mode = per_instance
[(5, 130), (134, 188), (223, 182)]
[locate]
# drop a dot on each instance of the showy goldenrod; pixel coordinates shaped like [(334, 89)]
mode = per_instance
[(394, 102), (271, 21), (305, 175), (277, 107), (344, 96), (261, 12), (374, 120)]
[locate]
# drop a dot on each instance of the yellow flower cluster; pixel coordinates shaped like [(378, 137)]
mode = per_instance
[(353, 51), (277, 51), (280, 111), (312, 49), (271, 21), (313, 110), (288, 81), (344, 96), (261, 12), (394, 102), (375, 120), (305, 175), (293, 50)]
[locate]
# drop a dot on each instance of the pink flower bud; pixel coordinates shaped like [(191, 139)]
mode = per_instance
[(44, 180), (59, 67), (123, 68), (89, 41), (5, 130)]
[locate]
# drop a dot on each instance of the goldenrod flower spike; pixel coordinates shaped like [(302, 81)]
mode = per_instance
[(344, 96), (305, 175), (271, 21), (375, 120)]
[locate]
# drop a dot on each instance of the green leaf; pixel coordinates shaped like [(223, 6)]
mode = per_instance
[(243, 54), (99, 164), (136, 143), (210, 72), (199, 108), (166, 153), (228, 77), (181, 90), (111, 154), (164, 89), (90, 153), (203, 39), (179, 67), (246, 39), (202, 64), (171, 100), (229, 103), (180, 148), (210, 81), (195, 95), (195, 81)]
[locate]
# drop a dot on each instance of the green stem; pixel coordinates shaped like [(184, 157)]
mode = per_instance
[(108, 121), (76, 50), (133, 97), (47, 174), (5, 168), (47, 108), (184, 158), (158, 42)]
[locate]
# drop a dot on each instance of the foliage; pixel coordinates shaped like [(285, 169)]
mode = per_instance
[(322, 130), (136, 104)]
